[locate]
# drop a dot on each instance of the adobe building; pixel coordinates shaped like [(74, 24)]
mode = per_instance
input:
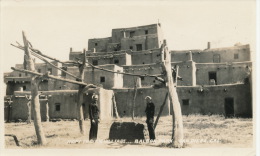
[(215, 81)]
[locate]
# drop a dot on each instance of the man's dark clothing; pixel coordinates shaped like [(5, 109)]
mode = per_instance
[(93, 115), (150, 119)]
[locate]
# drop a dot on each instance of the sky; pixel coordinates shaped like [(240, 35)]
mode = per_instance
[(54, 27)]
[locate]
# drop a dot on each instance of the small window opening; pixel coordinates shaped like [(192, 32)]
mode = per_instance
[(102, 79), (185, 102), (132, 34), (96, 44), (50, 70), (24, 87), (57, 107), (131, 47), (146, 32), (20, 75), (236, 56), (139, 47), (95, 62), (116, 61)]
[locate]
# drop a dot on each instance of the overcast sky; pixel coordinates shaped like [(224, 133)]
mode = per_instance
[(55, 27)]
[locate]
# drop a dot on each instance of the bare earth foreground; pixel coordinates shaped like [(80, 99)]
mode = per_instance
[(199, 131)]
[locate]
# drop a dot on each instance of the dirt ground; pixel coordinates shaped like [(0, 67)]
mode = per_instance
[(199, 132)]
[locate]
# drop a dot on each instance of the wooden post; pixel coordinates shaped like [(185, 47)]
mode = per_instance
[(35, 95), (133, 106), (47, 111), (161, 109), (29, 117), (173, 96), (114, 105), (80, 95)]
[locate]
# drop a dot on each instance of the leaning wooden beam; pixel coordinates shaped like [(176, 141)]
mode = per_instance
[(15, 139), (114, 105), (144, 75), (173, 96), (41, 58), (35, 95), (46, 61), (52, 77), (133, 104), (160, 111)]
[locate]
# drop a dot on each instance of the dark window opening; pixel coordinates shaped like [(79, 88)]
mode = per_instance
[(213, 77), (131, 47), (143, 62), (229, 107), (132, 34), (102, 79), (50, 70), (142, 78), (139, 47), (116, 61), (216, 58), (24, 87), (20, 75), (57, 107), (146, 32), (236, 56), (39, 71), (185, 102), (96, 44), (95, 62)]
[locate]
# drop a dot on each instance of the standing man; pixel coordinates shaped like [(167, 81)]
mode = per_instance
[(150, 116), (94, 118)]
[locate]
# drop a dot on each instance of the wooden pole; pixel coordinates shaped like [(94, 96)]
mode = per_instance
[(114, 105), (35, 95), (173, 96), (80, 95), (47, 111), (133, 106), (29, 117), (161, 109)]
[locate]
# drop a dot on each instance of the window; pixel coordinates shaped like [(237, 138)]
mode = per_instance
[(131, 47), (95, 62), (102, 79), (132, 34), (24, 87), (57, 107), (116, 61), (185, 102), (236, 56), (39, 70), (139, 47), (50, 70), (146, 32), (216, 58), (96, 44), (20, 75), (142, 78)]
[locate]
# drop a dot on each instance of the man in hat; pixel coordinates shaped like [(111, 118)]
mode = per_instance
[(150, 116), (94, 118)]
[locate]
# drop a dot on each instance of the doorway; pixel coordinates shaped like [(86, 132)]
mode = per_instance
[(229, 107), (213, 76)]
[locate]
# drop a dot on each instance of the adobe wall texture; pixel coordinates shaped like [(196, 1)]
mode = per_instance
[(220, 55), (210, 101), (68, 104), (225, 73)]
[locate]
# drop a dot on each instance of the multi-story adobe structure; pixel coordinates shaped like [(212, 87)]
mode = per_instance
[(215, 81)]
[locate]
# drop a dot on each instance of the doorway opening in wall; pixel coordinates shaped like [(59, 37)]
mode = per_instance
[(213, 77), (229, 107), (24, 87), (146, 32), (139, 47)]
